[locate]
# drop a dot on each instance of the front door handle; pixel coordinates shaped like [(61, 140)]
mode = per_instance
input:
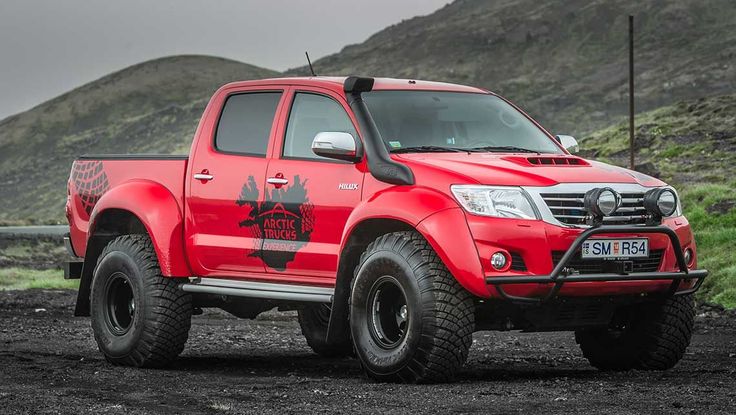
[(278, 181), (204, 176)]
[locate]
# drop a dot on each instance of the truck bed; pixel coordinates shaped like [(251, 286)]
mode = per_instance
[(93, 175)]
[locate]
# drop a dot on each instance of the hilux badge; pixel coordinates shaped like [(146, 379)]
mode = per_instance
[(347, 186)]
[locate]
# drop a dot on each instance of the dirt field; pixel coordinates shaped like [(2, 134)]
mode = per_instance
[(49, 363)]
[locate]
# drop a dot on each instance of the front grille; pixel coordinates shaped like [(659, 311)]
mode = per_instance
[(569, 208), (599, 266)]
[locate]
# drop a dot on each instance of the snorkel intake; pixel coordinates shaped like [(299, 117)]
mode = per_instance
[(380, 164)]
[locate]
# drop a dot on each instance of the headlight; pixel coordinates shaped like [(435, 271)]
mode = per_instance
[(661, 202), (502, 202)]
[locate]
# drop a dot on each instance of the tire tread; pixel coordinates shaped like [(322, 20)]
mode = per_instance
[(449, 326), (168, 320), (657, 340)]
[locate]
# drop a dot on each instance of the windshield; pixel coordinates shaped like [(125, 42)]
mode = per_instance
[(423, 121)]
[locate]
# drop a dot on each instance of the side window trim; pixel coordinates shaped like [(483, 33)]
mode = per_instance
[(274, 121), (316, 159)]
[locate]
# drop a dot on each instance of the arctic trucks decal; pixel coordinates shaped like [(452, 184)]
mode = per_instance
[(90, 183), (281, 224)]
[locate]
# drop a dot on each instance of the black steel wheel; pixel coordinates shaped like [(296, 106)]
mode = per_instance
[(139, 317), (388, 315), (120, 303), (410, 320)]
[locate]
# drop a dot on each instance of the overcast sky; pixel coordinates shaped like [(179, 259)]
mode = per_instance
[(48, 47)]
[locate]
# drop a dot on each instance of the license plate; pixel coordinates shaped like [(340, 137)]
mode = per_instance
[(615, 248)]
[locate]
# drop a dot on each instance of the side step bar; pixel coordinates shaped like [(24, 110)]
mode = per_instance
[(256, 289)]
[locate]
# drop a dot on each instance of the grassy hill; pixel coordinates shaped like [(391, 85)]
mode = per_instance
[(152, 107), (692, 145), (690, 142), (564, 62)]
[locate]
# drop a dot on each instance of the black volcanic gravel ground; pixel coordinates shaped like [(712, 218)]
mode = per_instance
[(49, 363)]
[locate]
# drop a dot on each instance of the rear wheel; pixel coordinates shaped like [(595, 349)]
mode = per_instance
[(652, 336), (410, 319), (139, 317), (314, 320)]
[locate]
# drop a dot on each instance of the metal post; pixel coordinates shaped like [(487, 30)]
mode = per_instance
[(631, 92)]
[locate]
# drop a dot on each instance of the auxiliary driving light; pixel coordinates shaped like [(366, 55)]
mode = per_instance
[(660, 202), (498, 261), (602, 201)]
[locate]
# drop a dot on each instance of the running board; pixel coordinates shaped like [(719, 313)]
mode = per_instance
[(255, 289)]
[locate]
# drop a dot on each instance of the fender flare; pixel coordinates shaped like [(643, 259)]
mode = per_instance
[(438, 218), (440, 221), (391, 203), (449, 235), (159, 212)]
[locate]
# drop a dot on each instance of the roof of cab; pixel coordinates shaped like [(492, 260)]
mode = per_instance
[(336, 83)]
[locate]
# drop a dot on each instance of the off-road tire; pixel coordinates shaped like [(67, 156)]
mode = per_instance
[(158, 326), (440, 314), (314, 320), (655, 337)]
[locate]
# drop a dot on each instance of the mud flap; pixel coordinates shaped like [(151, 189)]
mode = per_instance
[(72, 270)]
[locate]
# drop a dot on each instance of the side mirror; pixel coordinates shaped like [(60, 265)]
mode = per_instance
[(336, 145), (569, 143)]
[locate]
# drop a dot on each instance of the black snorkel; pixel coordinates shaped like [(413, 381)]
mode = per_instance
[(380, 164)]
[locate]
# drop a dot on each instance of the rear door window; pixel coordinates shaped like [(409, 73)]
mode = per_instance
[(245, 123)]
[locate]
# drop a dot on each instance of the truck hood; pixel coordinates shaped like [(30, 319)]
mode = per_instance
[(522, 169)]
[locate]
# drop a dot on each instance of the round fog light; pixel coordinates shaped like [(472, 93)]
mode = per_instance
[(498, 261), (688, 254)]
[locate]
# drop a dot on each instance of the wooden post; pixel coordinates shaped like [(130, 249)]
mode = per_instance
[(631, 92)]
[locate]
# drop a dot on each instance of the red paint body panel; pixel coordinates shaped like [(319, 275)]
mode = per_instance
[(502, 170), (217, 246), (447, 232), (200, 228), (330, 207), (534, 241), (156, 201)]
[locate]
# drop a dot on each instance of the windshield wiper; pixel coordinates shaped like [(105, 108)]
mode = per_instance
[(430, 149), (503, 149)]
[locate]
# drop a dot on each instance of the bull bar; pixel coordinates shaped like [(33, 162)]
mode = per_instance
[(561, 275)]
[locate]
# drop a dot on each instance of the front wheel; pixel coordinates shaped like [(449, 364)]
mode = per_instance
[(139, 317), (410, 320), (651, 336)]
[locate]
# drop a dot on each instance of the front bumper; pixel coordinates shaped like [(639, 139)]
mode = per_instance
[(560, 275)]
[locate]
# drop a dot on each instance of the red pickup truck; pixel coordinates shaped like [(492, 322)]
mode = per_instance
[(396, 216)]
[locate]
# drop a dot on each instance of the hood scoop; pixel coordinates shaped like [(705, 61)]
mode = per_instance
[(564, 161)]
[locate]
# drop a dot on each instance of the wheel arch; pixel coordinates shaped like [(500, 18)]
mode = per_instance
[(135, 207), (356, 240), (446, 231)]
